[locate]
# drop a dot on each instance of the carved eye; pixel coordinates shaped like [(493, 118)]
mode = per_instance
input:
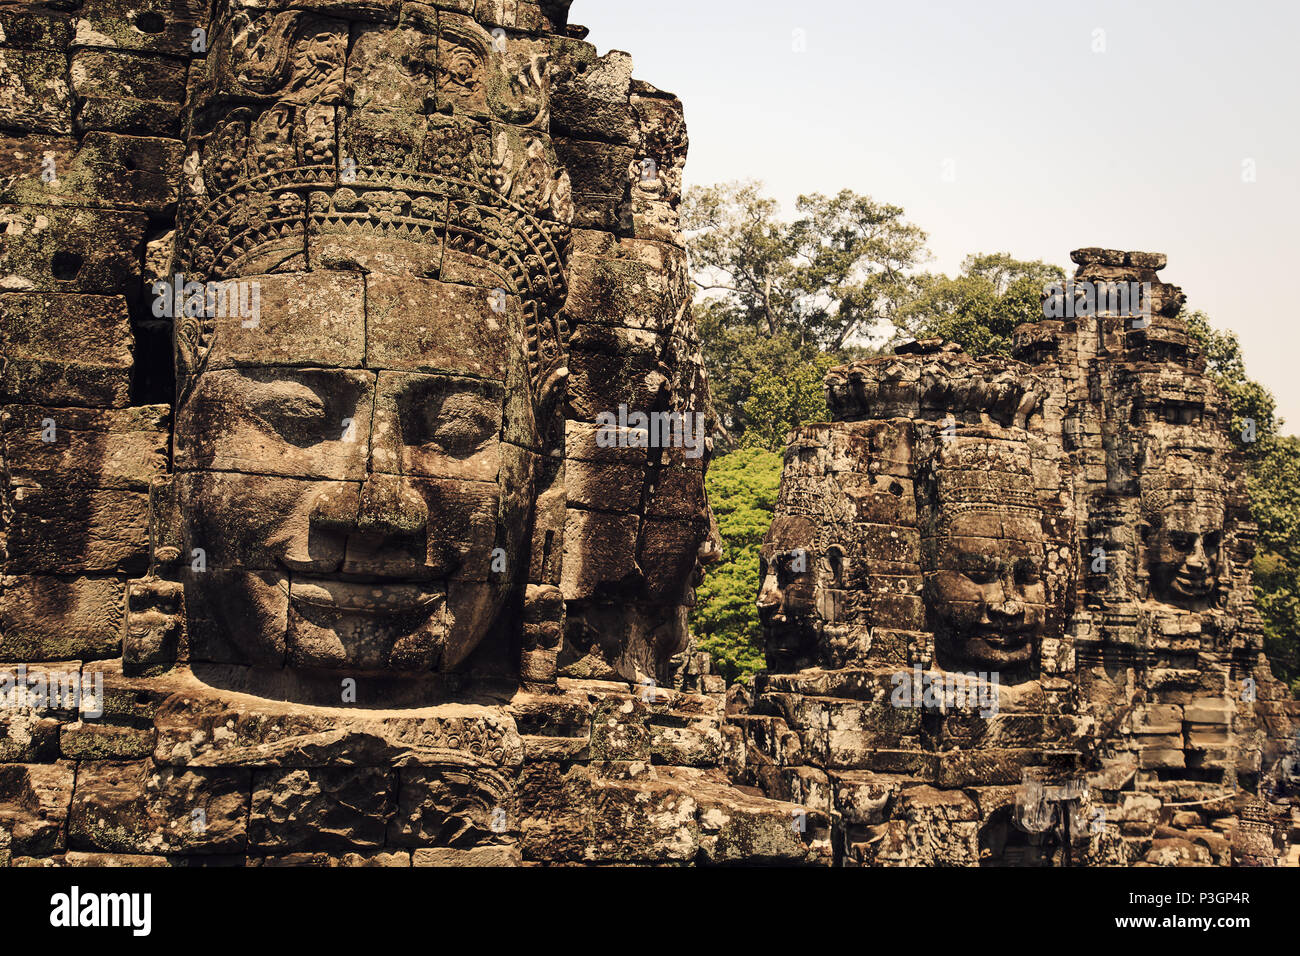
[(458, 423), (461, 67), (420, 64), (293, 410), (463, 435), (1182, 540), (789, 565), (982, 573), (1028, 572)]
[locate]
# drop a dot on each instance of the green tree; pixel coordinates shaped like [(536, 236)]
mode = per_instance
[(981, 307), (1274, 479), (762, 386), (781, 302), (1273, 476), (1252, 403), (742, 489), (829, 276), (778, 403)]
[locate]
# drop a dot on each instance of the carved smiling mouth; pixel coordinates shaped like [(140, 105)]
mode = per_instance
[(1192, 585), (1003, 638), (374, 597)]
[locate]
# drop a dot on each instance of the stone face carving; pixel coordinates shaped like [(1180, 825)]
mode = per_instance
[(364, 587), (1184, 548), (1022, 595), (983, 556), (405, 402), (314, 551), (928, 521)]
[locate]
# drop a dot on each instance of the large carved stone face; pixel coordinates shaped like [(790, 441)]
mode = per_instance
[(1184, 554), (986, 591), (357, 470), (369, 518)]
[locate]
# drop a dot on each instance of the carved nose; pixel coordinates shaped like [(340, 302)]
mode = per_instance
[(769, 598), (1005, 606), (334, 509), (1197, 561), (390, 506), (1007, 609)]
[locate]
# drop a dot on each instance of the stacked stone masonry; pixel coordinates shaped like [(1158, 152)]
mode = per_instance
[(1008, 605), (311, 312)]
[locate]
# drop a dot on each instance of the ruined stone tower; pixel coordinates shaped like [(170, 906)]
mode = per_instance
[(310, 312), (315, 549), (1008, 603)]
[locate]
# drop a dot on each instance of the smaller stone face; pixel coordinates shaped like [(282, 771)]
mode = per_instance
[(987, 591), (788, 595), (984, 552), (1185, 553)]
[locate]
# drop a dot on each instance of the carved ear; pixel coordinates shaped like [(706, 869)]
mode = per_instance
[(537, 67), (552, 389)]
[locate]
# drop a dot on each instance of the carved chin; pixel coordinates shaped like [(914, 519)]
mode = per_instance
[(391, 628)]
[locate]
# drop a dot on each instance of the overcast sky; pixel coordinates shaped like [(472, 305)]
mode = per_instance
[(1048, 145)]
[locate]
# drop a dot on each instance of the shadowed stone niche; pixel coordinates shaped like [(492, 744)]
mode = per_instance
[(1008, 607), (316, 314)]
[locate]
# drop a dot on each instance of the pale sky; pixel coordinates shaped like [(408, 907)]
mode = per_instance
[(1051, 146)]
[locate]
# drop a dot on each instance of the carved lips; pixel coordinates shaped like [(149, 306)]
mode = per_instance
[(369, 598)]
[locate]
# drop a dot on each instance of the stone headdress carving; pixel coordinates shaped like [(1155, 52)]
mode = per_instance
[(268, 180)]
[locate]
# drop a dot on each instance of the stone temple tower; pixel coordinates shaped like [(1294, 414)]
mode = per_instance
[(1008, 602), (309, 314)]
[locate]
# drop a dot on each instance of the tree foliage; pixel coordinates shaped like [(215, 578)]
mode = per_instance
[(1273, 483), (1251, 402), (833, 273), (981, 307), (1274, 476), (781, 302), (762, 386), (742, 489)]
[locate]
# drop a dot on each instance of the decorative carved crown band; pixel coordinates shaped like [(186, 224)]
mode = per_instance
[(933, 386)]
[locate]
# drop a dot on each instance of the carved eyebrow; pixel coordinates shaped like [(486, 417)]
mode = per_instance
[(431, 386)]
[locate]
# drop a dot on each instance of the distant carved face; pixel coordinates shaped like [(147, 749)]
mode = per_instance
[(370, 518), (1185, 552), (986, 589), (787, 596)]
